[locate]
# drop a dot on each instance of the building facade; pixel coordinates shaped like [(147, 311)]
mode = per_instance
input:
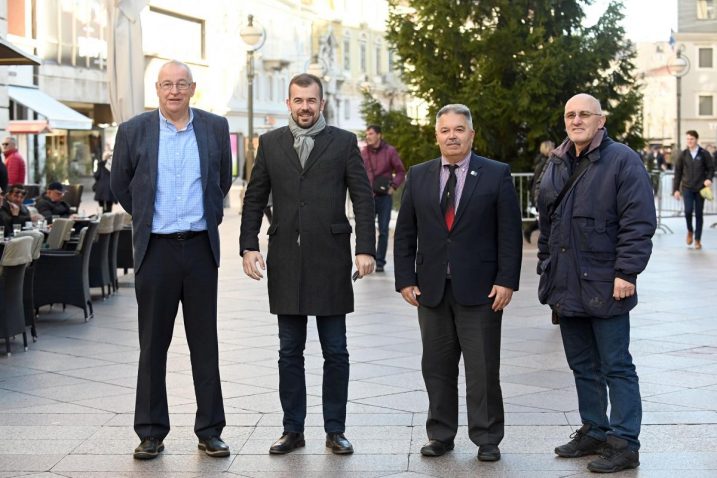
[(339, 40), (696, 38)]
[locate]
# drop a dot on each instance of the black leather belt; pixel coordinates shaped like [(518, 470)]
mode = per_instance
[(180, 236)]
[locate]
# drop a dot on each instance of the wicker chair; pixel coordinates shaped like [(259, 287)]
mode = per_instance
[(99, 257), (114, 243), (73, 196), (62, 277), (17, 253), (60, 232), (125, 250), (27, 293)]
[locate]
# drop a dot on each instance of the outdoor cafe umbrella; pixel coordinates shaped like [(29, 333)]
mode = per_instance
[(125, 59)]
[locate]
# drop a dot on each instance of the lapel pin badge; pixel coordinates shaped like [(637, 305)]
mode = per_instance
[(473, 173)]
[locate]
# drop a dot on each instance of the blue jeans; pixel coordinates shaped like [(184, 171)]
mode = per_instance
[(292, 381), (383, 205), (694, 202), (598, 354)]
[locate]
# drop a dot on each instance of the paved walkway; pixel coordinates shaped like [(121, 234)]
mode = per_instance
[(66, 405)]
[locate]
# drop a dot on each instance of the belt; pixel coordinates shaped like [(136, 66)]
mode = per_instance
[(180, 236)]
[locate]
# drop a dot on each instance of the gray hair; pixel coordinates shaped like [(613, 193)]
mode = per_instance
[(458, 109), (180, 64)]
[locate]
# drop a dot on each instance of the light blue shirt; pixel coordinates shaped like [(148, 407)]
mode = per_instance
[(179, 202)]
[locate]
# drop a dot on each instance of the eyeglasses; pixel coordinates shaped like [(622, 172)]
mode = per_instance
[(168, 85), (5, 144), (583, 115)]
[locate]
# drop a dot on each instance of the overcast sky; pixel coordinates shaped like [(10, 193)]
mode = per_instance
[(645, 20)]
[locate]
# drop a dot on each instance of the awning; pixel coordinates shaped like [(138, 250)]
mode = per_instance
[(58, 115), (28, 127), (12, 55)]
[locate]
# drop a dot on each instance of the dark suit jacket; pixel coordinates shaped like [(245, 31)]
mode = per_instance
[(312, 277), (484, 247), (134, 173)]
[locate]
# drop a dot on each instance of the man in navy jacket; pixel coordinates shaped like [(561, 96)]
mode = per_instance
[(593, 243)]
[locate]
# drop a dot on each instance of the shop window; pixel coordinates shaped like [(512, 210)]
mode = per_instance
[(705, 57), (363, 53), (187, 35), (706, 105), (72, 32), (706, 10), (347, 51)]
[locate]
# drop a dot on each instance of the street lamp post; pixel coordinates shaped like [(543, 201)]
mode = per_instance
[(678, 67), (253, 36)]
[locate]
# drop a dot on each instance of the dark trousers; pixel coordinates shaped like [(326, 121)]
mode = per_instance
[(175, 271), (598, 354), (447, 331), (694, 203), (292, 381), (383, 205)]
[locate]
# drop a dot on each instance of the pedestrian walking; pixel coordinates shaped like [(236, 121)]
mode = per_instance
[(694, 170), (102, 189), (385, 173)]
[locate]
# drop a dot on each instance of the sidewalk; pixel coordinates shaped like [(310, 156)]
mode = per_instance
[(67, 404)]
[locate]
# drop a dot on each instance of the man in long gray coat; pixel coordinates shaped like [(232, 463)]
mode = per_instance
[(308, 167)]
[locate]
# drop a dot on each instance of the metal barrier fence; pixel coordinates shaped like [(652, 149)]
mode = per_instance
[(665, 203)]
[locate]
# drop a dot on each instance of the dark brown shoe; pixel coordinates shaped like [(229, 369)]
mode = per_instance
[(214, 446), (148, 449), (689, 238), (488, 453), (436, 448), (339, 444), (288, 442)]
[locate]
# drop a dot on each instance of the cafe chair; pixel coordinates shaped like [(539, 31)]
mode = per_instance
[(73, 196), (125, 251), (114, 242), (60, 232), (27, 293), (62, 277), (17, 253), (99, 257)]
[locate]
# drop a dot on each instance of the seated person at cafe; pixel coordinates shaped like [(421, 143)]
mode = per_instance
[(5, 216), (51, 203), (21, 215)]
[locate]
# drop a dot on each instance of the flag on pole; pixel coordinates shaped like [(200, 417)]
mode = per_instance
[(672, 42)]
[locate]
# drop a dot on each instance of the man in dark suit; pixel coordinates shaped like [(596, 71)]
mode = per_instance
[(457, 250), (308, 167), (171, 170)]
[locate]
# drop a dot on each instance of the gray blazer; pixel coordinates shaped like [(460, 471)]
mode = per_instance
[(309, 260), (134, 173)]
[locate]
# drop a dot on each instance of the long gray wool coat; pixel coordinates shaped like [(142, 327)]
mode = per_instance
[(309, 261)]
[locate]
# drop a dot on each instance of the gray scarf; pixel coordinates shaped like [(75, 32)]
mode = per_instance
[(304, 138)]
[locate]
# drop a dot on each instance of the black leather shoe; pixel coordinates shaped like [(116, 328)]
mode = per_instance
[(213, 446), (339, 444), (289, 441), (436, 448), (488, 453), (148, 449)]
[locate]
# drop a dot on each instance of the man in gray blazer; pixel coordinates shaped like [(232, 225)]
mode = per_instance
[(171, 170), (308, 168)]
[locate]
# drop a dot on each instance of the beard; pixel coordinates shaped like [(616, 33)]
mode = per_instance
[(296, 116)]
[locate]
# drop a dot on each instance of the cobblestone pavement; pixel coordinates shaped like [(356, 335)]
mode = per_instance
[(66, 404)]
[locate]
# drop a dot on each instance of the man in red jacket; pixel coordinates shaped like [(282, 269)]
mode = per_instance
[(385, 173), (13, 161)]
